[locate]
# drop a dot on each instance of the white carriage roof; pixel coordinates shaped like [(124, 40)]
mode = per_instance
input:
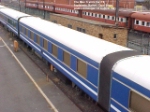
[(87, 45), (13, 13), (1, 6), (136, 68)]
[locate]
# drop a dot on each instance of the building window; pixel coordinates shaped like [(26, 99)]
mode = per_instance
[(138, 103), (81, 68), (54, 21), (66, 58), (69, 26), (78, 29), (81, 30), (45, 44), (101, 36), (54, 50), (115, 36)]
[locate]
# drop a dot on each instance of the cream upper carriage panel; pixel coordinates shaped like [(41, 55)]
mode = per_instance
[(136, 68), (90, 46)]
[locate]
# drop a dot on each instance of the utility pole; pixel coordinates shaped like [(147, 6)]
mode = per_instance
[(44, 8), (25, 6), (117, 13), (19, 6)]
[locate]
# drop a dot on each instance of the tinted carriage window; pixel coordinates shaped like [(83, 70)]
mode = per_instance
[(54, 50), (81, 68), (138, 103), (45, 44), (66, 58), (22, 29), (15, 25), (38, 39), (9, 21), (26, 32), (32, 35)]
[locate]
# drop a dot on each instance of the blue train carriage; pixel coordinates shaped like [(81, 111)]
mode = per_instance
[(60, 46), (75, 54), (130, 83), (9, 18)]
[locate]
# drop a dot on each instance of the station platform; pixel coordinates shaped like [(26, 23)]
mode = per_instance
[(18, 93)]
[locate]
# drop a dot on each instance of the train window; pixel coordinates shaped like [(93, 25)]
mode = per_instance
[(45, 44), (93, 14), (81, 68), (54, 50), (27, 32), (103, 16), (66, 58), (113, 18), (138, 103), (108, 17), (121, 19), (9, 21), (137, 22), (32, 35), (38, 39), (143, 23), (87, 13), (15, 24), (148, 24), (22, 29), (97, 15)]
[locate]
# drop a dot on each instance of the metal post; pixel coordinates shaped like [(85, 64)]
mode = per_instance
[(19, 6), (44, 8), (25, 6), (116, 13)]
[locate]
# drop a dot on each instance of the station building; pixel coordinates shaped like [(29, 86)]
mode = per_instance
[(108, 32)]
